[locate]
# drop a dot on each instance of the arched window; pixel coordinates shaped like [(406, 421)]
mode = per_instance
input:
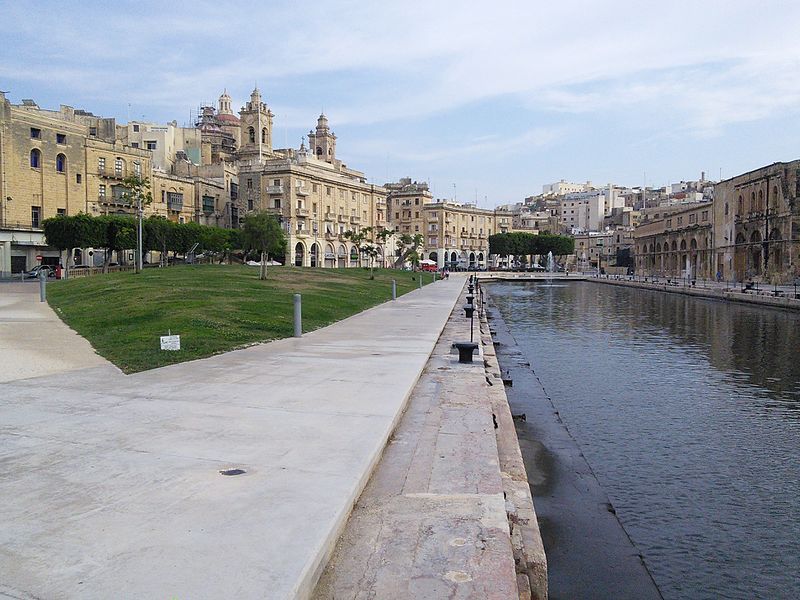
[(752, 201), (36, 158), (61, 163), (319, 151), (760, 200), (251, 133), (740, 206), (264, 135), (726, 208)]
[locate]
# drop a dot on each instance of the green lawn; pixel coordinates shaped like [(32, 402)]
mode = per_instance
[(214, 308)]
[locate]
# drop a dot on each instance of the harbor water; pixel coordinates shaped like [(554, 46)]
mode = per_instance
[(688, 412)]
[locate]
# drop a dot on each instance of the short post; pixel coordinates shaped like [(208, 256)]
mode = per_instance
[(394, 289), (420, 280), (42, 285), (298, 316)]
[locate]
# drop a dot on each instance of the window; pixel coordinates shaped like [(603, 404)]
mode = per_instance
[(314, 187), (78, 178), (101, 192), (119, 167), (692, 219), (36, 215), (704, 215), (249, 184), (208, 204), (251, 135), (36, 134), (276, 182), (277, 202), (92, 130), (134, 144), (36, 159), (328, 190), (249, 204), (174, 201), (137, 169), (61, 211), (416, 201), (101, 164), (136, 128), (61, 163), (150, 144), (61, 138)]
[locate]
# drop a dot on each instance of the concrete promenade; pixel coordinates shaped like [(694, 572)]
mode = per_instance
[(765, 295), (33, 340), (112, 484), (447, 512)]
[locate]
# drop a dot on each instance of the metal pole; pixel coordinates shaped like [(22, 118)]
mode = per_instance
[(42, 285), (471, 325), (298, 316), (394, 289), (139, 239), (420, 280)]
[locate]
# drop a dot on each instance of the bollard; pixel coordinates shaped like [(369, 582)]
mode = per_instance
[(42, 285), (394, 289), (298, 316), (420, 280)]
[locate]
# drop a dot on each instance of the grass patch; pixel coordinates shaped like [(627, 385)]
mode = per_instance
[(214, 308)]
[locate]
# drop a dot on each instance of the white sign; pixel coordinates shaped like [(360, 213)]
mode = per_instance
[(170, 342)]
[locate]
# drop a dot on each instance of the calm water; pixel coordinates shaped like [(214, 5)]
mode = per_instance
[(688, 411)]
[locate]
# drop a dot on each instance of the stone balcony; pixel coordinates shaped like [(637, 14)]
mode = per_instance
[(301, 191), (302, 212), (274, 189), (355, 219)]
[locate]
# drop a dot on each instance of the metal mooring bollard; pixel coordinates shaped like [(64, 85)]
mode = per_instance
[(42, 285), (298, 316), (394, 289)]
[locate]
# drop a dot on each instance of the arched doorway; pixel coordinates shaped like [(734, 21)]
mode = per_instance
[(341, 257), (740, 257), (755, 266), (673, 258), (480, 258), (775, 251), (330, 256), (299, 254), (453, 260), (471, 260), (314, 255), (433, 256), (353, 257)]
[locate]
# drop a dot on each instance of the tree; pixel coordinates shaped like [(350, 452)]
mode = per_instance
[(365, 245), (408, 246), (157, 236), (114, 233), (137, 193), (380, 238), (66, 233), (263, 234)]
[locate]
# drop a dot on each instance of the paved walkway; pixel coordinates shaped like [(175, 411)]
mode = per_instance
[(111, 484), (33, 340), (432, 521)]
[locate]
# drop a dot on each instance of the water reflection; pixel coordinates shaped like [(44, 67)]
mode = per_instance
[(687, 410)]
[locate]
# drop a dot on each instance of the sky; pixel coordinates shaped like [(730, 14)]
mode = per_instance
[(487, 101)]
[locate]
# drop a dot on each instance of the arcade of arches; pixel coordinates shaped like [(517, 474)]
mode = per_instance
[(329, 255)]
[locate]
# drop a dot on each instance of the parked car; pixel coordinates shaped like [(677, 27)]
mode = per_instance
[(34, 272)]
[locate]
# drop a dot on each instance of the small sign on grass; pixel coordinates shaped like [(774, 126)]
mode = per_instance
[(170, 342)]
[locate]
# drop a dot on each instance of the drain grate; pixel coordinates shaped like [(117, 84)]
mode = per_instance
[(230, 472)]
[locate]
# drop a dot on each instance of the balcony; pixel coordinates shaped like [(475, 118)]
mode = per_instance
[(481, 236), (329, 216), (302, 212), (355, 219), (330, 236), (342, 218), (302, 233), (300, 191), (274, 189)]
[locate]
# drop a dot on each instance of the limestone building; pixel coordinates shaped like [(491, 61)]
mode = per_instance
[(757, 224), (314, 194), (679, 243), (51, 163)]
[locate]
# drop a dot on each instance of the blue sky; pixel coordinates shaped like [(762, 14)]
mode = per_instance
[(497, 98)]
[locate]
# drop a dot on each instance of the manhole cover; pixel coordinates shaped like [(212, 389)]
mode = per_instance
[(230, 472)]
